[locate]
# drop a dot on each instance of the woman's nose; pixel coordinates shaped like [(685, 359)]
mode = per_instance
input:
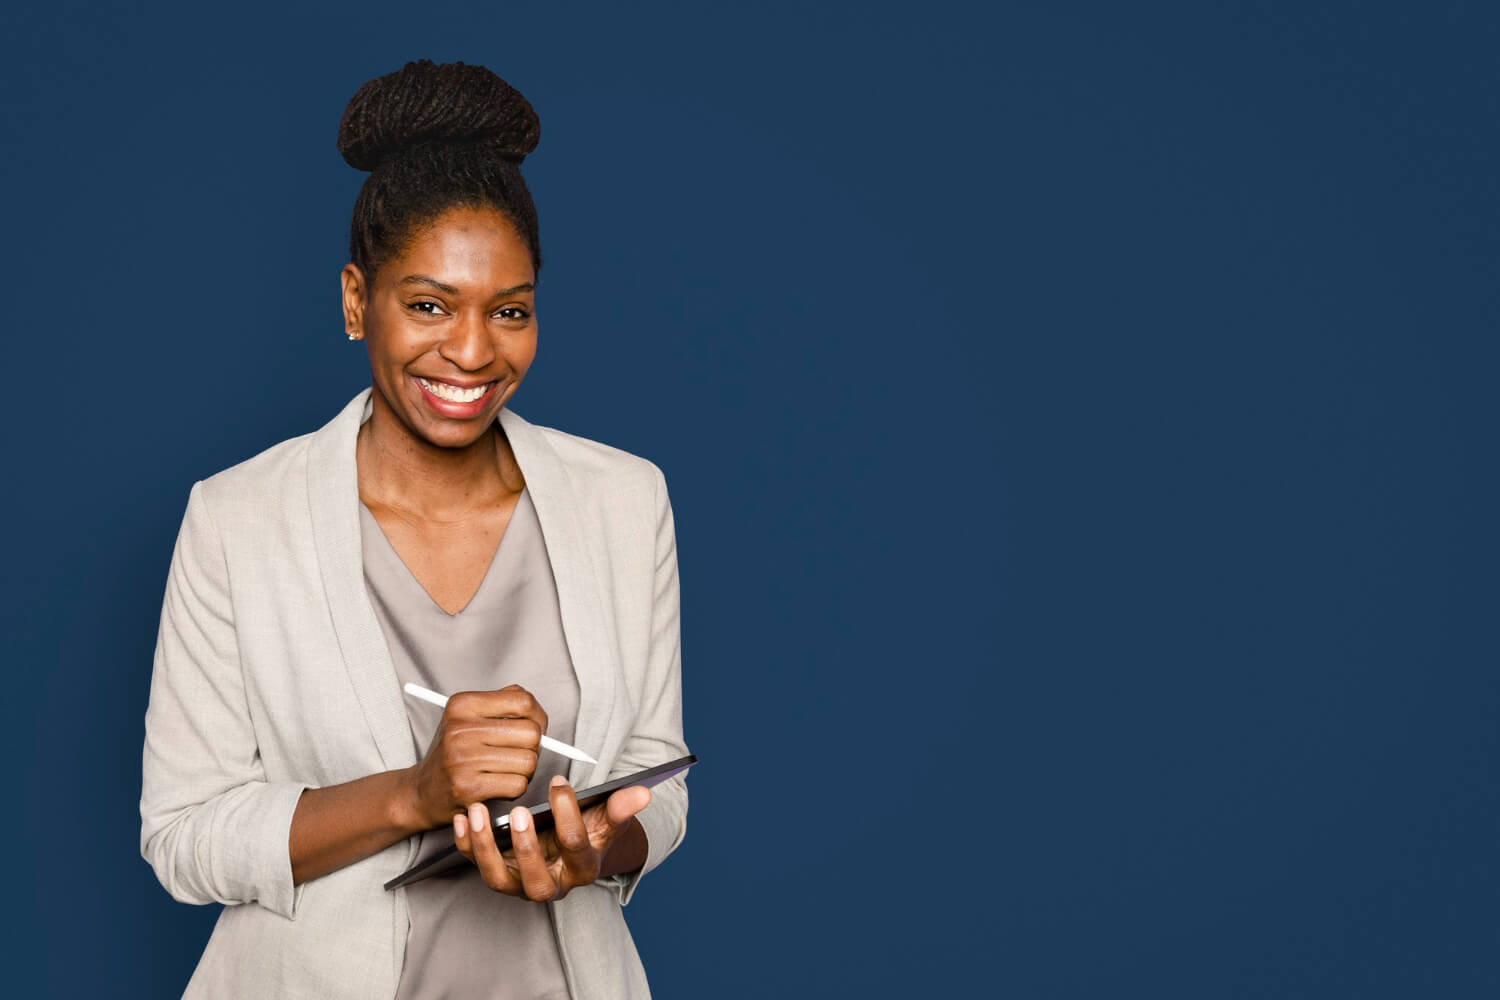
[(468, 344)]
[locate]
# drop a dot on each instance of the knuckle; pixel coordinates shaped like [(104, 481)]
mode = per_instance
[(515, 786)]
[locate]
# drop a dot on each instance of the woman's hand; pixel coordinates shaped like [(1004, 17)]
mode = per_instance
[(573, 853), (485, 747)]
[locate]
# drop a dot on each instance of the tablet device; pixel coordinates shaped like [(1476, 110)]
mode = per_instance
[(450, 857)]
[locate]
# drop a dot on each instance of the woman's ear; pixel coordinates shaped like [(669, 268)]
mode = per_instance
[(353, 281)]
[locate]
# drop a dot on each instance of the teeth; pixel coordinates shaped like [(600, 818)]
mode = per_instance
[(453, 393)]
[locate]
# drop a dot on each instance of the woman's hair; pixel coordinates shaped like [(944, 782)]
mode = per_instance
[(435, 136)]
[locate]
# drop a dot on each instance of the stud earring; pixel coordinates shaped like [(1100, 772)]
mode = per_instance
[(353, 336)]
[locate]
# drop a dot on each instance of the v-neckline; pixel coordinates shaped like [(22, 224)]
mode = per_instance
[(488, 570)]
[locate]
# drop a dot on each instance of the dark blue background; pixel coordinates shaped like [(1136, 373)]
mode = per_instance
[(1089, 405)]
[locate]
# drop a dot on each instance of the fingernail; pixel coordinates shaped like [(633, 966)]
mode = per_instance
[(558, 780), (520, 818), (460, 825), (476, 818)]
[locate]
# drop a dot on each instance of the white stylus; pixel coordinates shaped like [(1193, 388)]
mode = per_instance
[(556, 746)]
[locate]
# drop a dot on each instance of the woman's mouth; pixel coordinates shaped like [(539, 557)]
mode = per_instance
[(454, 401)]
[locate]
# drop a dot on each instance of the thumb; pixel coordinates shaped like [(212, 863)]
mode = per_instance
[(626, 803)]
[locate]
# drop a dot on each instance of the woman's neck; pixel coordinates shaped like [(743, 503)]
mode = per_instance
[(398, 469)]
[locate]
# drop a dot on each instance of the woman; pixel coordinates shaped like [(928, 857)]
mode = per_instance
[(426, 534)]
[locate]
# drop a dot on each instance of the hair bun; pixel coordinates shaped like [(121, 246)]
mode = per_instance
[(426, 102)]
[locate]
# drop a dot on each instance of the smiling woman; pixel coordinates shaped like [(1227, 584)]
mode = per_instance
[(451, 327), (426, 534)]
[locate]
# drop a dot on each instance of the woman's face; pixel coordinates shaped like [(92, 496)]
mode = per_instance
[(449, 323)]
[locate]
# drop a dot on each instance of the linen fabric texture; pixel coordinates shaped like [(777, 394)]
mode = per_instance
[(271, 675)]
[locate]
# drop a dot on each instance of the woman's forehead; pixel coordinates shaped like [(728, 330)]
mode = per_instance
[(466, 246)]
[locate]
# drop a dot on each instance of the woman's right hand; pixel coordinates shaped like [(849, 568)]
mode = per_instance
[(485, 747)]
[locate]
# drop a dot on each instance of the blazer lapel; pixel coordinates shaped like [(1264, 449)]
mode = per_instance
[(580, 595), (333, 502)]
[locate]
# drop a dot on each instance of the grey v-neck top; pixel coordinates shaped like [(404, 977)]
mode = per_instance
[(465, 939)]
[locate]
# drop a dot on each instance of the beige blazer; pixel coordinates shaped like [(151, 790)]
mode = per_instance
[(271, 675)]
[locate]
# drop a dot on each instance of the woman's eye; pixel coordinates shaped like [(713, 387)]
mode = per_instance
[(430, 308), (514, 312)]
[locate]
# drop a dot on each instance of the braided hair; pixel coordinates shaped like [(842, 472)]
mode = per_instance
[(435, 136)]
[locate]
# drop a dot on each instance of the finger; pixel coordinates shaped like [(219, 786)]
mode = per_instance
[(474, 781), (626, 803), (461, 838), (478, 736), (472, 770), (514, 702), (486, 854), (469, 785), (486, 747), (522, 734), (580, 859), (536, 880), (536, 713), (507, 772)]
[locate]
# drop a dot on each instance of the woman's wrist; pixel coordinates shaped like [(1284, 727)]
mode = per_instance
[(338, 825), (405, 804)]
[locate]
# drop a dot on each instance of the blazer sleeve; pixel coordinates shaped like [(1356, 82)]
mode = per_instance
[(657, 737), (212, 826)]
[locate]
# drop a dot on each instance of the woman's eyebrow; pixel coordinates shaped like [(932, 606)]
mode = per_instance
[(422, 279)]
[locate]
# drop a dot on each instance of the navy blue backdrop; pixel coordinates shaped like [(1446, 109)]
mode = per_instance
[(1088, 406)]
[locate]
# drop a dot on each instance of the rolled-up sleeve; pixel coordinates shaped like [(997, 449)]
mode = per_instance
[(657, 737), (212, 826)]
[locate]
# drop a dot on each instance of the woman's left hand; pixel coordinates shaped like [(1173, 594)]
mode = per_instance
[(546, 866)]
